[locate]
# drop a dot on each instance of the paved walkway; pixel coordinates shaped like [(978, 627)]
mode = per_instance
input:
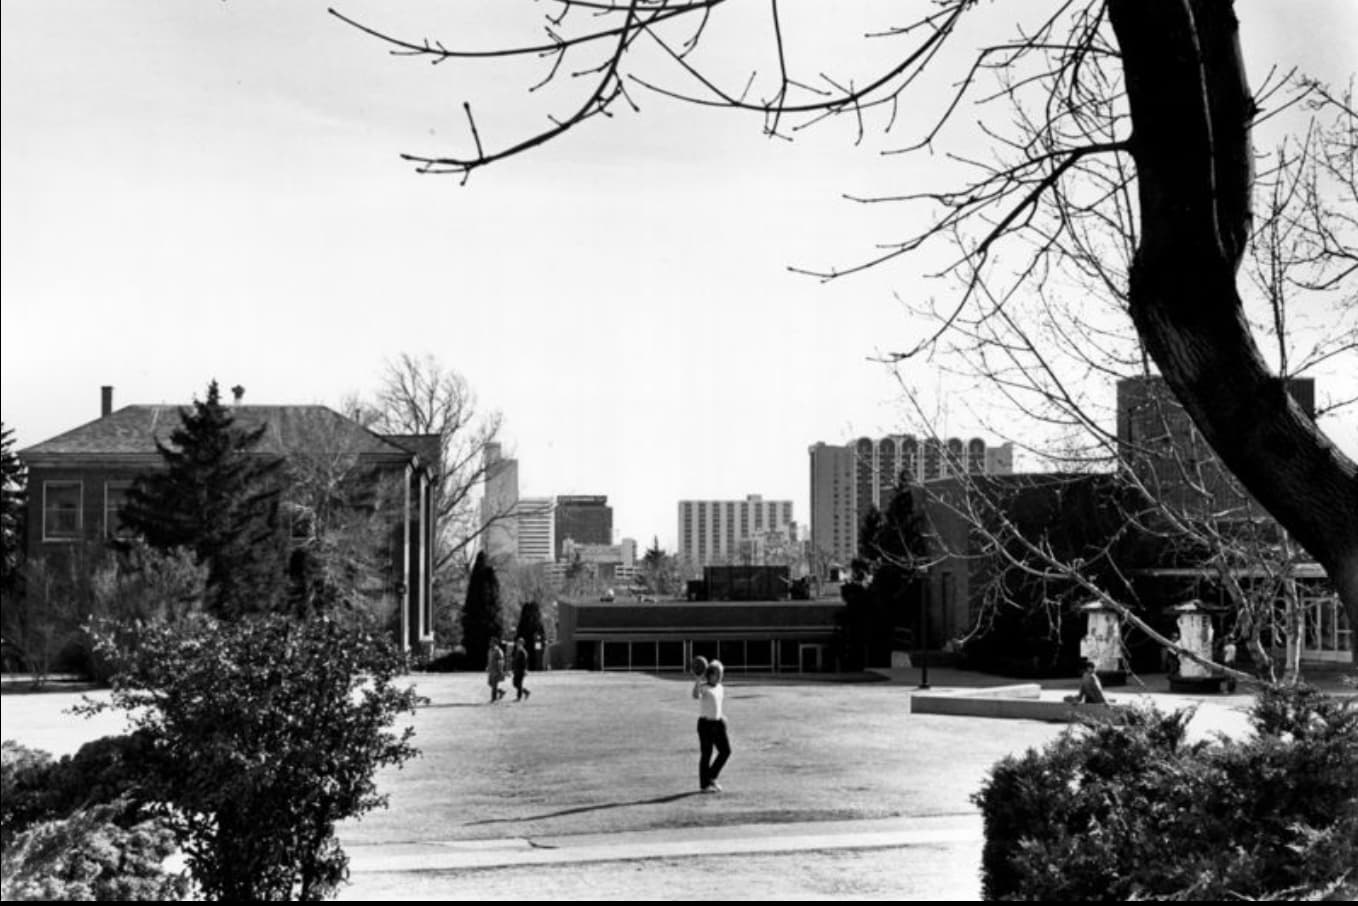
[(906, 858), (433, 855)]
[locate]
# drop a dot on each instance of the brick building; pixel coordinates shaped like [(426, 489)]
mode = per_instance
[(78, 480)]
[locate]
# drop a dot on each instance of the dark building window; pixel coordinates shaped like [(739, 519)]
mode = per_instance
[(115, 496), (62, 517)]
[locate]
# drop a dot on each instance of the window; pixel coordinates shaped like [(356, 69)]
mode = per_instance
[(61, 513), (115, 496)]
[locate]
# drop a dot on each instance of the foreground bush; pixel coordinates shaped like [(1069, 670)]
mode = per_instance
[(263, 734), (23, 787), (90, 855), (78, 828), (1131, 811)]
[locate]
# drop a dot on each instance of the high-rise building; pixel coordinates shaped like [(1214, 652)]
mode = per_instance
[(834, 529), (711, 531), (584, 519), (535, 528), (521, 528), (501, 537), (1159, 442), (847, 481)]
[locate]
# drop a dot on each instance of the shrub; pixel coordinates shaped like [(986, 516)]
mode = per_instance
[(264, 734), (23, 788), (37, 788), (447, 661), (1131, 811), (88, 855), (76, 828)]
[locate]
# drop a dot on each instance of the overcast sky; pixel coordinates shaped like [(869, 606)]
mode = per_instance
[(198, 189)]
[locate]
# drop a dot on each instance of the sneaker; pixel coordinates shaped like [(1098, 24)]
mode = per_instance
[(712, 787)]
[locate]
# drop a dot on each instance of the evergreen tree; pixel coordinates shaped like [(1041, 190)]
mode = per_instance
[(219, 499), (481, 620), (531, 630), (658, 569), (13, 497), (885, 592)]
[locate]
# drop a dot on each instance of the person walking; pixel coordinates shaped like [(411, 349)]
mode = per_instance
[(712, 734), (519, 668), (495, 670)]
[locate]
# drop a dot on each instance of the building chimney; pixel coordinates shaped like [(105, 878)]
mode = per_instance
[(105, 400)]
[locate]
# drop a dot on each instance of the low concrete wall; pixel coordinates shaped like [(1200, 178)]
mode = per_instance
[(1017, 690), (1019, 702)]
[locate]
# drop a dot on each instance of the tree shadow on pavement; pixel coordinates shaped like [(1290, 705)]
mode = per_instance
[(659, 800)]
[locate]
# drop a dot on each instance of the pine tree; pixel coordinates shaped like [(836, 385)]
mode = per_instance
[(218, 498), (13, 481), (481, 620)]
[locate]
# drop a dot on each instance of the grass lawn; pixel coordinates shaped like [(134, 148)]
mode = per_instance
[(603, 752)]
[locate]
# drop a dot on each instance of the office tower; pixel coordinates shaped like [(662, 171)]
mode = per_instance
[(847, 481), (535, 525), (584, 519), (1159, 442), (500, 538), (712, 531)]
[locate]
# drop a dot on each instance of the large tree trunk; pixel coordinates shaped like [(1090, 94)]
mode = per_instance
[(1191, 112)]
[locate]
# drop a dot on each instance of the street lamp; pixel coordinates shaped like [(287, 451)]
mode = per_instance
[(924, 648)]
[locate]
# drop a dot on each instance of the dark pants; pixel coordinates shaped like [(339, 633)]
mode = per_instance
[(711, 735), (518, 684)]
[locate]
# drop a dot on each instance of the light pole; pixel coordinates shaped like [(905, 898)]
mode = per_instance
[(924, 647)]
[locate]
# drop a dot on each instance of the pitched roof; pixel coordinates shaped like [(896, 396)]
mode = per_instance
[(428, 447), (134, 430)]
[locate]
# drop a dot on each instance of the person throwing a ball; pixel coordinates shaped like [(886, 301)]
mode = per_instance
[(709, 692)]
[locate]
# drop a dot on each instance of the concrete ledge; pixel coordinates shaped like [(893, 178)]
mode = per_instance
[(1003, 702), (1017, 690)]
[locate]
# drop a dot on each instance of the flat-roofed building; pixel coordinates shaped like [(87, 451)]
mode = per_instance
[(664, 636), (584, 519), (713, 531), (535, 530)]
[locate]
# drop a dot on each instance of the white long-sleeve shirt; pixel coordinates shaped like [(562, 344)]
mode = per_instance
[(710, 700)]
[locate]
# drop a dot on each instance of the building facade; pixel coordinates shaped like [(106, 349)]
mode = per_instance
[(78, 482), (608, 562), (1160, 445), (847, 481), (534, 530), (584, 519), (500, 540), (665, 636), (1158, 441), (713, 531), (517, 528)]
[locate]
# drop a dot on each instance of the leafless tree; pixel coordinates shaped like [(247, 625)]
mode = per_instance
[(1055, 350), (1143, 101), (419, 395), (525, 582), (342, 510)]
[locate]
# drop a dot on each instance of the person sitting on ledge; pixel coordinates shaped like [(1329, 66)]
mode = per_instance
[(1091, 690)]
